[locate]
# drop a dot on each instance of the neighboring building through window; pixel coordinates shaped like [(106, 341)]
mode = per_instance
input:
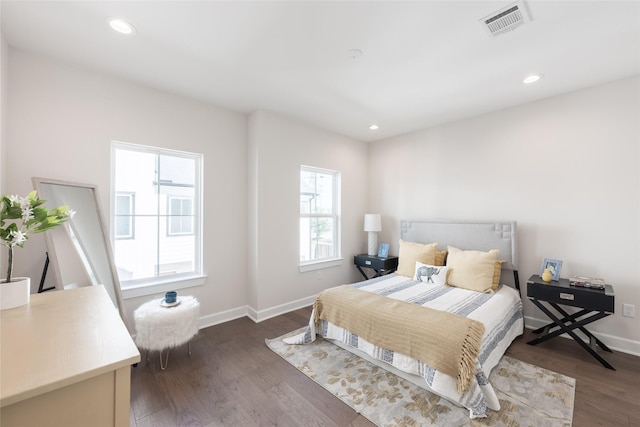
[(319, 215), (124, 213), (156, 215), (181, 216)]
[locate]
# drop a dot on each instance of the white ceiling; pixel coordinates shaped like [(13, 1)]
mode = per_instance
[(424, 62)]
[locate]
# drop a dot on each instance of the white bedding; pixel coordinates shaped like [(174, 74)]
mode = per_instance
[(500, 312)]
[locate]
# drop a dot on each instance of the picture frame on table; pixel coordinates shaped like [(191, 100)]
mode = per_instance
[(383, 252), (554, 265)]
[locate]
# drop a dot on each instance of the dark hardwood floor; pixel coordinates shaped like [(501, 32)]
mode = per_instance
[(233, 379)]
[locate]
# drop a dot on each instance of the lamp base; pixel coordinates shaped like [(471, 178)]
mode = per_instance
[(373, 243)]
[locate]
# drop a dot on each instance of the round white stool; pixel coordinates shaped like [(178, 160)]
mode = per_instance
[(159, 327)]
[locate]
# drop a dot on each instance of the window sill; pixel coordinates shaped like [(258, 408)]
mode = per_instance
[(333, 262), (161, 286)]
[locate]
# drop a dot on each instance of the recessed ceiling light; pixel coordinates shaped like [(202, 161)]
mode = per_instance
[(374, 127), (121, 26), (532, 78)]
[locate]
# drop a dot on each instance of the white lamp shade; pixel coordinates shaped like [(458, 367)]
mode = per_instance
[(372, 222)]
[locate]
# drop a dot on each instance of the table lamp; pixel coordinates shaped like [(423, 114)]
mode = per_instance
[(373, 224)]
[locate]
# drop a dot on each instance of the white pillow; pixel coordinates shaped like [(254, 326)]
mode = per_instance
[(433, 274)]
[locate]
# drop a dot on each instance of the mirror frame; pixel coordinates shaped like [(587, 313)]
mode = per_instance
[(51, 246)]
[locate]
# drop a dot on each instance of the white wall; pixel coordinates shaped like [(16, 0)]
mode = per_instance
[(60, 125), (4, 85), (277, 148), (64, 118), (565, 168)]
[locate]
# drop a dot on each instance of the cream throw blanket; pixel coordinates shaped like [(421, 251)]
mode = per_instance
[(445, 341)]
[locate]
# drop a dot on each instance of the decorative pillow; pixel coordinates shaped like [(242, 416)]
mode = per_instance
[(434, 274), (472, 270), (497, 271), (411, 252), (440, 257)]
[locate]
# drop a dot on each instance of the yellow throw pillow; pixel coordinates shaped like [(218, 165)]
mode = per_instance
[(472, 270), (410, 252), (440, 257), (497, 271)]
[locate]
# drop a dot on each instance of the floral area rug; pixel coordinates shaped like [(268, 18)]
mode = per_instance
[(529, 395)]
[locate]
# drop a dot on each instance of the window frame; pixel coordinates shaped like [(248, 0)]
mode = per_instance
[(152, 285), (336, 258)]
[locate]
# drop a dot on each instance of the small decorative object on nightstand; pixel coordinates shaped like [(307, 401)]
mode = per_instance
[(380, 265), (553, 265), (383, 252), (546, 275), (596, 303)]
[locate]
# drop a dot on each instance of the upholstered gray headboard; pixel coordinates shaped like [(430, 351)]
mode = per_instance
[(468, 235)]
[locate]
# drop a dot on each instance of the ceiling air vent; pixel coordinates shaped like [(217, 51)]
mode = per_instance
[(506, 19)]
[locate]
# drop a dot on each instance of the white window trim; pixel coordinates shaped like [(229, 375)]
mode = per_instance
[(161, 286), (157, 285), (320, 264)]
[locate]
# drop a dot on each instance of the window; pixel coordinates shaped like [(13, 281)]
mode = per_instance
[(125, 203), (156, 215), (181, 216), (319, 215)]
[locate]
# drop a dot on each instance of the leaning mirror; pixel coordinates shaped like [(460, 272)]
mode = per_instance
[(80, 251)]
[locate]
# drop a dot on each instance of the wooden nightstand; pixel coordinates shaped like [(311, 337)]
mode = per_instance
[(599, 302), (381, 266)]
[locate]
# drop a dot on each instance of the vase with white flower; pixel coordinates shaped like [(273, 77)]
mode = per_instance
[(21, 217)]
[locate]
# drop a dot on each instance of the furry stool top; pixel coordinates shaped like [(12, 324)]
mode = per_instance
[(159, 328)]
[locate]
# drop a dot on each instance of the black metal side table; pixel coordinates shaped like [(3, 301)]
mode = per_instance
[(595, 304), (380, 265)]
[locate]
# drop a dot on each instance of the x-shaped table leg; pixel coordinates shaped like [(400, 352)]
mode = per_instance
[(568, 329)]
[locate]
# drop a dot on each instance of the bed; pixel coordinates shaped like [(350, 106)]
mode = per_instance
[(396, 321)]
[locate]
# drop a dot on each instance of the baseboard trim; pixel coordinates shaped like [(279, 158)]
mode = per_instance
[(616, 343), (223, 316), (259, 316), (252, 313)]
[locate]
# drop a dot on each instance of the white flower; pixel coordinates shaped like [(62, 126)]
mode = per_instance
[(18, 237), (24, 202), (27, 214), (71, 213)]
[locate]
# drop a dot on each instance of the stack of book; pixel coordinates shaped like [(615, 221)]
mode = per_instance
[(586, 282)]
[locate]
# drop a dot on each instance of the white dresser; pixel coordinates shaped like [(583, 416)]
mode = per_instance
[(65, 361)]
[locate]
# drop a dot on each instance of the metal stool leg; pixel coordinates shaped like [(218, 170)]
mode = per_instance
[(166, 362)]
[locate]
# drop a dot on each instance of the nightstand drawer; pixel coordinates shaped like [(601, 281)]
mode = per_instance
[(561, 293), (372, 261), (381, 266)]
